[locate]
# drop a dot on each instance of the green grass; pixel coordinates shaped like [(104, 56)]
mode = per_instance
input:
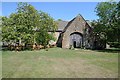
[(59, 63)]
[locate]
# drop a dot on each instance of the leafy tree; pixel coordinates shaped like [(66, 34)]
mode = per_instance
[(27, 19), (27, 25), (7, 30), (108, 13), (47, 24), (19, 26), (59, 19), (117, 24), (98, 35)]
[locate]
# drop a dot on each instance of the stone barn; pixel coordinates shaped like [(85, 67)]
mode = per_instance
[(74, 33)]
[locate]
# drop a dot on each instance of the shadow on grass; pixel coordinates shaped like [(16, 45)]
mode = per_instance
[(112, 50)]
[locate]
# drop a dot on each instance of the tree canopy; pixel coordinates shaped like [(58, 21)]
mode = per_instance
[(24, 25), (109, 21)]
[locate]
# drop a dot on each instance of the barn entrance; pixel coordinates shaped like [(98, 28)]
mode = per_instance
[(76, 40)]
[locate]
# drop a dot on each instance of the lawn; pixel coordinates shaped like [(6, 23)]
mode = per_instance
[(59, 63)]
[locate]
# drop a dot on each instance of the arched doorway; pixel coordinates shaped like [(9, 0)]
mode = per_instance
[(76, 40)]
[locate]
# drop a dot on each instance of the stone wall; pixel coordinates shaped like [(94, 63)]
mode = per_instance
[(78, 24)]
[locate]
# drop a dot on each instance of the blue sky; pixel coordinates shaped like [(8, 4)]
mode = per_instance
[(58, 10)]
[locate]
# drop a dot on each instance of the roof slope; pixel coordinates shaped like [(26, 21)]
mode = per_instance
[(78, 16), (62, 25)]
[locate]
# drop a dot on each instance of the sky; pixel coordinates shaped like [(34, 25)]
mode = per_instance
[(58, 10)]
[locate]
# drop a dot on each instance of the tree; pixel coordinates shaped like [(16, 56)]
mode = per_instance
[(27, 25), (7, 30), (19, 26), (108, 20), (27, 19), (47, 24), (98, 35), (59, 19)]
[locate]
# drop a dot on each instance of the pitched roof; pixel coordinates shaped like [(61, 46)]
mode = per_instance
[(79, 15), (68, 25), (61, 25)]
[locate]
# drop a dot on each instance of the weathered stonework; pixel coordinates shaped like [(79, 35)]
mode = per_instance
[(74, 33)]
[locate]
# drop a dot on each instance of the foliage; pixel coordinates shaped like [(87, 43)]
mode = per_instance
[(59, 19), (108, 22), (7, 29), (22, 25), (47, 24), (98, 35)]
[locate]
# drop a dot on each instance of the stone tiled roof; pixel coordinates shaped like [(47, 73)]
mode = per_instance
[(61, 25), (68, 25)]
